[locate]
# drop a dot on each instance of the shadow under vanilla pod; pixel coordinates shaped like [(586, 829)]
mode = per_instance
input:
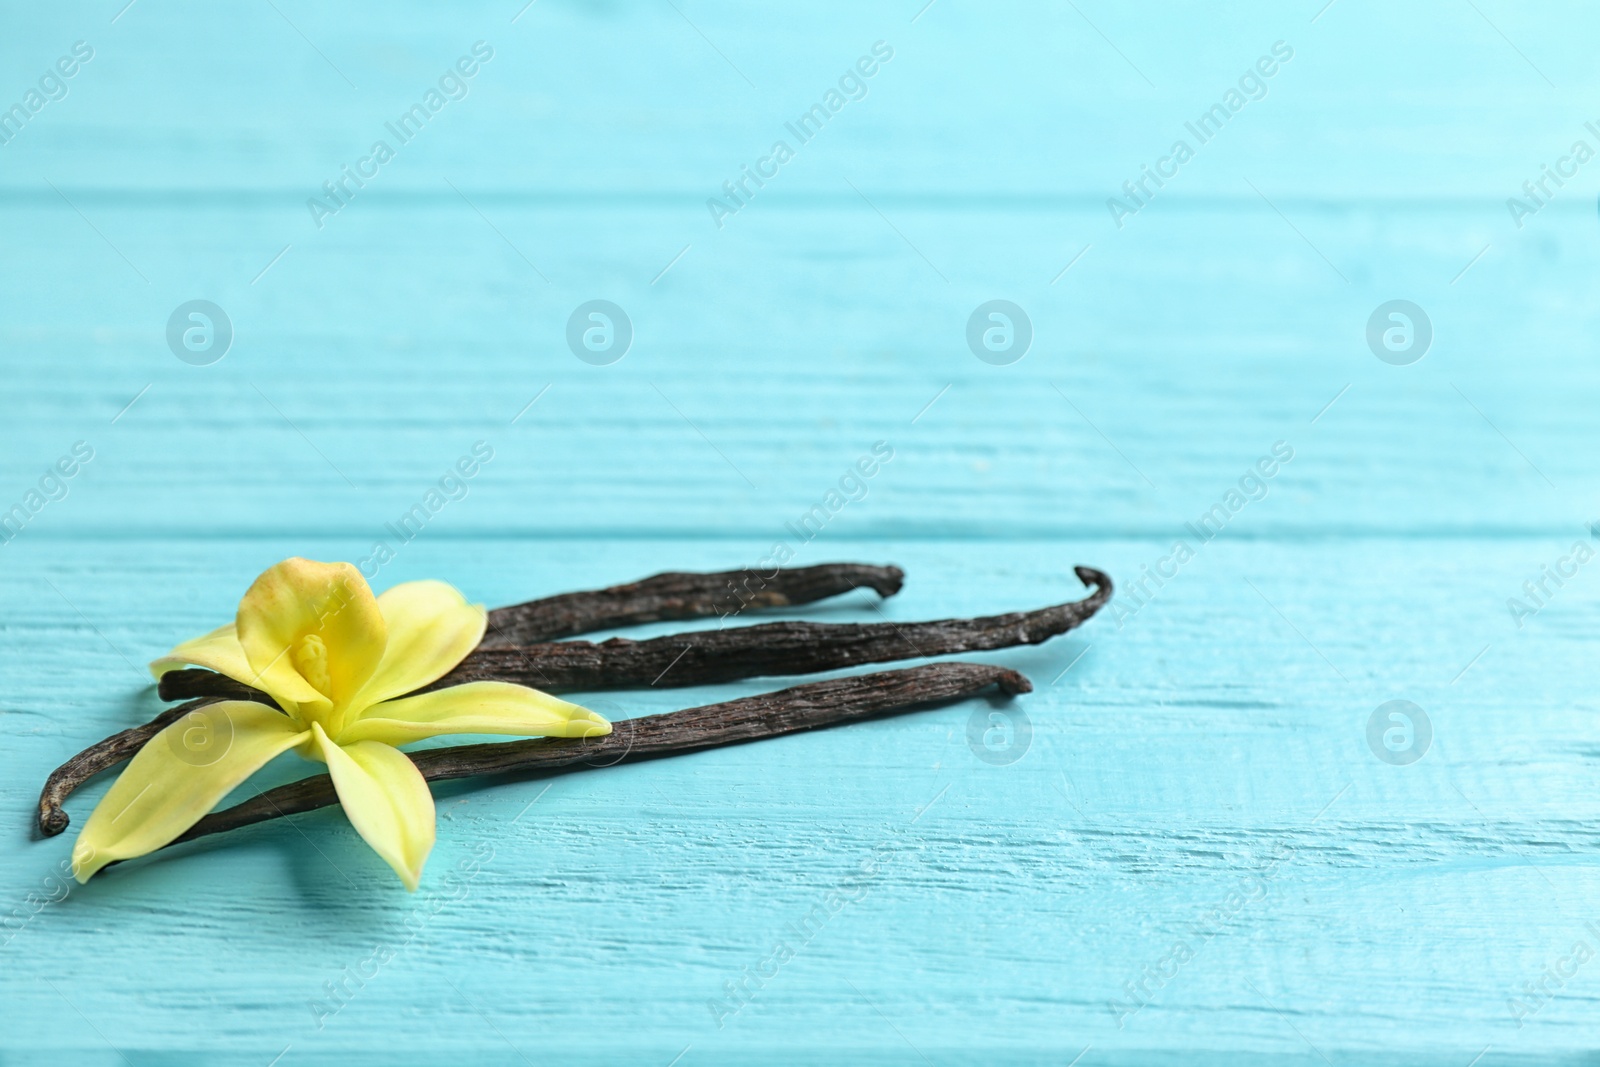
[(518, 651)]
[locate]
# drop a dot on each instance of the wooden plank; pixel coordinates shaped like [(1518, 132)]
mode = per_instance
[(1207, 736), (1203, 744), (738, 412)]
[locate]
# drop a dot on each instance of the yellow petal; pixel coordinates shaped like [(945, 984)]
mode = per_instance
[(312, 631), (387, 801), (431, 629), (475, 708), (218, 650), (179, 775)]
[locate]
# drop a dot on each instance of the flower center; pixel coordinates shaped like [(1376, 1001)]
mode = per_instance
[(310, 658)]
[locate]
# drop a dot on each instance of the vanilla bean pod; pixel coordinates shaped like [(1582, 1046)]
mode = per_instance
[(187, 683), (774, 648), (682, 595), (99, 757), (679, 660), (710, 656), (804, 707)]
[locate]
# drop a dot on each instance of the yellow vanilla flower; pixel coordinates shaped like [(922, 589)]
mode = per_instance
[(339, 662)]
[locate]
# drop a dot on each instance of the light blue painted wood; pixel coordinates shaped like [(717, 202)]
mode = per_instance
[(1206, 741)]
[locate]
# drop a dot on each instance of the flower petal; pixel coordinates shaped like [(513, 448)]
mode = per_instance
[(387, 801), (475, 708), (218, 650), (327, 609), (431, 629), (179, 775)]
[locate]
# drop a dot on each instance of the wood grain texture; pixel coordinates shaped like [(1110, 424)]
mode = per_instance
[(1199, 769)]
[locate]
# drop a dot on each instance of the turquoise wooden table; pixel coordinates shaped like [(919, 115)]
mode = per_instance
[(1216, 839)]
